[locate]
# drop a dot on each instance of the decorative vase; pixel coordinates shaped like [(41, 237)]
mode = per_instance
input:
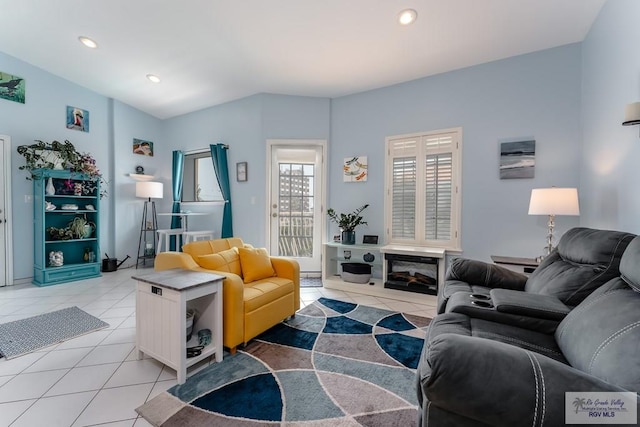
[(348, 237), (56, 259), (50, 189)]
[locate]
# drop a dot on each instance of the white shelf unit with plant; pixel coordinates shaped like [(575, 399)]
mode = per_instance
[(66, 222)]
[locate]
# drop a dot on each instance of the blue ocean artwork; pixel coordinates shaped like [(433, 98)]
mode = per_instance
[(517, 159)]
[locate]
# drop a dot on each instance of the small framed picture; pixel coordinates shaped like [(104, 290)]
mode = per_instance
[(369, 239), (142, 147), (241, 171), (77, 119)]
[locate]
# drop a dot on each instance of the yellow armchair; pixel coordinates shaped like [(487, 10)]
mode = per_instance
[(248, 308)]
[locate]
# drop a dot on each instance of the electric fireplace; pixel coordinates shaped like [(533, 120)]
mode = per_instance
[(411, 273)]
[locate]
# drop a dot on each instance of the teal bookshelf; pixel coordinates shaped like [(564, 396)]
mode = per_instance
[(74, 197)]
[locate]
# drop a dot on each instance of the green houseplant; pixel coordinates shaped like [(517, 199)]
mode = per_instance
[(60, 155), (348, 223)]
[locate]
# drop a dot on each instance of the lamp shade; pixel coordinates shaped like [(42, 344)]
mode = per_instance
[(149, 189), (631, 114), (554, 201)]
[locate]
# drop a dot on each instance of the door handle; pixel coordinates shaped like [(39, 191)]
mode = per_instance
[(274, 214)]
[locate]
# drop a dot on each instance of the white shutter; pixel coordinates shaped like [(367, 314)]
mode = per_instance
[(403, 189), (422, 198), (438, 187)]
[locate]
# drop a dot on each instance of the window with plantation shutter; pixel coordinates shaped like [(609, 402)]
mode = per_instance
[(422, 201)]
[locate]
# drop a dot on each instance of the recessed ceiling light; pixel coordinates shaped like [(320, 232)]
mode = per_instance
[(407, 16), (153, 78), (88, 42)]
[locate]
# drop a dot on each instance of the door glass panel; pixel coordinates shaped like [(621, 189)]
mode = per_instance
[(295, 201)]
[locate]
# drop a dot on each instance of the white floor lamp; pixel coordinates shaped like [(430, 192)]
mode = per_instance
[(148, 190), (553, 201)]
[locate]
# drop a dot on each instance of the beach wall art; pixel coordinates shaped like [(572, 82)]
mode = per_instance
[(517, 159), (354, 169), (12, 87), (77, 119), (142, 147)]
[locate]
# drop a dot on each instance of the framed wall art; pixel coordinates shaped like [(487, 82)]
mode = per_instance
[(12, 87), (144, 148), (77, 119), (355, 169), (517, 159), (241, 171)]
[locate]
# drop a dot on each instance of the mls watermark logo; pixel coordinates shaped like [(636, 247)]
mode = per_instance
[(600, 407)]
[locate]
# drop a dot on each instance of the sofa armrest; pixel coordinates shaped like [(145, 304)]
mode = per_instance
[(497, 383), (169, 260), (232, 309), (528, 304), (478, 273), (289, 268)]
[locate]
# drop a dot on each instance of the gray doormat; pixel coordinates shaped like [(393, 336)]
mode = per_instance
[(310, 282), (26, 335)]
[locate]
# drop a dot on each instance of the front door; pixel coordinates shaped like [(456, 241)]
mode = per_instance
[(296, 200)]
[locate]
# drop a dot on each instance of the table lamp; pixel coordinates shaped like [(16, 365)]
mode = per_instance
[(553, 201)]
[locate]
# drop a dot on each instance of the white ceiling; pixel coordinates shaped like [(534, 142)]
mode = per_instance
[(211, 51)]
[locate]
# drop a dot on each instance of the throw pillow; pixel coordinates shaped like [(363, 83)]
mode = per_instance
[(222, 261), (256, 264)]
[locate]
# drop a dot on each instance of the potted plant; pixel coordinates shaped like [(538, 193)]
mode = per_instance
[(60, 155), (348, 223)]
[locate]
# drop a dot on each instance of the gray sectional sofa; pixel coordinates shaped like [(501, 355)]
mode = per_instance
[(478, 372)]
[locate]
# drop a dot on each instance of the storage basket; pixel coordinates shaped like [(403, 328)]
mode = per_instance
[(356, 272)]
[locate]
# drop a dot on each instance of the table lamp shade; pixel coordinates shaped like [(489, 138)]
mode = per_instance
[(554, 201), (149, 189)]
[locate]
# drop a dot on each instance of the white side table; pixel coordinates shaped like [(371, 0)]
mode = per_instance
[(162, 299)]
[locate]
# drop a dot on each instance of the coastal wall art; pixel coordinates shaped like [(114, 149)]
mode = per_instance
[(355, 169), (142, 147), (517, 159), (77, 119), (12, 87)]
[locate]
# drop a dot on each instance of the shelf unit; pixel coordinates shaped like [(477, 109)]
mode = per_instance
[(333, 258), (75, 266)]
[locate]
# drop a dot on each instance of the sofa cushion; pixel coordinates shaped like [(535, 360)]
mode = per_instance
[(460, 324), (228, 260), (256, 264), (261, 292), (602, 335), (585, 259)]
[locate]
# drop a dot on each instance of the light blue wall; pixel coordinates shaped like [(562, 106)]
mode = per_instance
[(544, 95), (245, 125), (130, 123), (112, 127), (610, 175), (43, 116), (531, 96)]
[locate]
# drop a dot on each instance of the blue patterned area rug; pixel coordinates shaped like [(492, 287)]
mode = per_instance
[(26, 335), (334, 364)]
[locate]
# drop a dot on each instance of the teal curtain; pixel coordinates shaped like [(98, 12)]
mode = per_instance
[(219, 158), (176, 175)]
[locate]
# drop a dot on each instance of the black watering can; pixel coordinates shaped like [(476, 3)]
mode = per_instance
[(111, 264)]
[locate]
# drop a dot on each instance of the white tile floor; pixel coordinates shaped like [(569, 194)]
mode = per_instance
[(95, 379)]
